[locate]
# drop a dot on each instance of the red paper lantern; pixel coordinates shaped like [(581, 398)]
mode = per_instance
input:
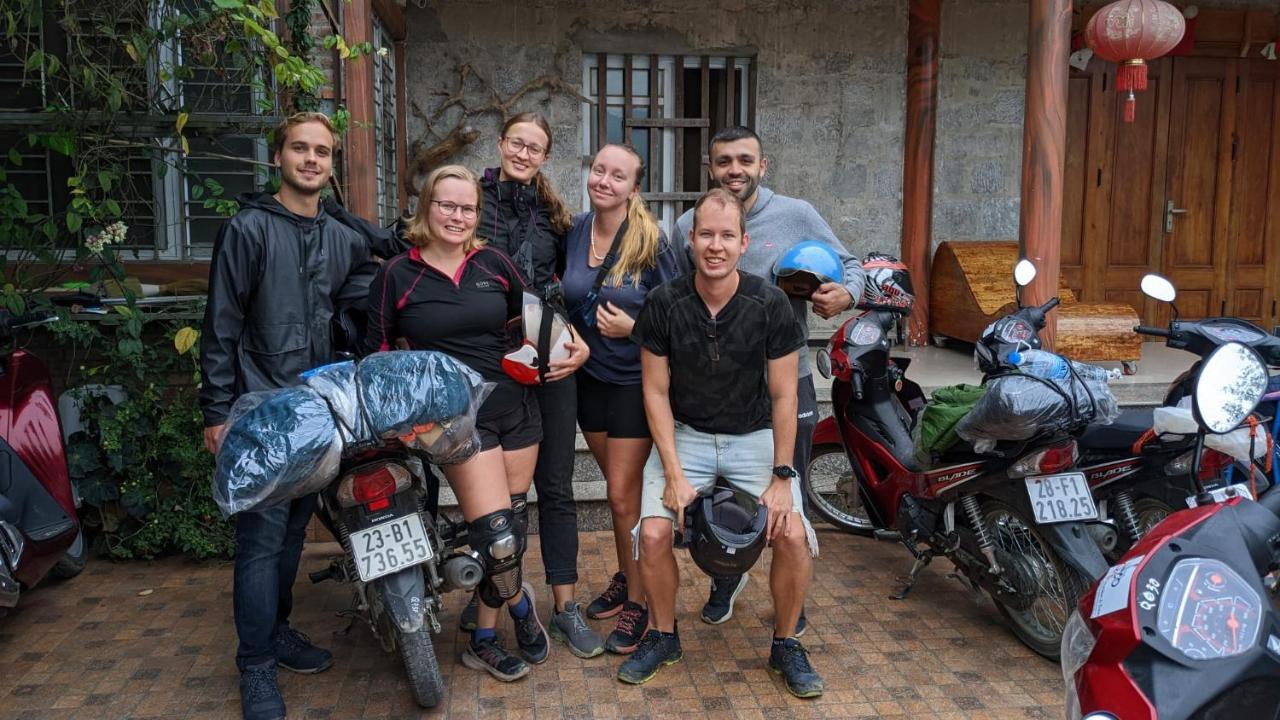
[(1130, 32)]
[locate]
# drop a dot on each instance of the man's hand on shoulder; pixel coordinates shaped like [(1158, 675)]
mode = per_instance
[(831, 299)]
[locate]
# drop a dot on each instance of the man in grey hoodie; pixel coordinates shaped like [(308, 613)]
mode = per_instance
[(775, 223)]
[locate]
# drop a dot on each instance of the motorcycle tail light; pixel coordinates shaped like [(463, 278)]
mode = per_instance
[(373, 486), (1043, 462), (1212, 463)]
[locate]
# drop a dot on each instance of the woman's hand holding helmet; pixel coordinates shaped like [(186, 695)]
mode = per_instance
[(578, 354), (612, 322)]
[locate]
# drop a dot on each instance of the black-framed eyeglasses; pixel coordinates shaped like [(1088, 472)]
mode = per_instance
[(715, 342), (449, 208), (517, 146)]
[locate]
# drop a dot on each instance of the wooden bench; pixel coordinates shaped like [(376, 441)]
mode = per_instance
[(972, 286)]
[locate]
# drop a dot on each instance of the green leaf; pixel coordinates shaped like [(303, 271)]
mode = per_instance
[(181, 121), (73, 222), (111, 207), (14, 157), (229, 4), (197, 192), (104, 180)]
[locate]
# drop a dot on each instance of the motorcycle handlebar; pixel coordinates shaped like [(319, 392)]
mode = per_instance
[(1152, 331), (1053, 303), (855, 378), (8, 321)]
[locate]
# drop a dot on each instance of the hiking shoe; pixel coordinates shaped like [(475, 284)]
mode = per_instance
[(656, 650), (802, 624), (609, 603), (467, 620), (294, 652), (489, 655), (790, 660), (260, 697), (569, 627), (626, 635), (531, 636), (724, 591)]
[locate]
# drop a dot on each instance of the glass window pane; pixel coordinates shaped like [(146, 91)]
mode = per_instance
[(614, 128), (614, 78), (639, 81), (235, 177)]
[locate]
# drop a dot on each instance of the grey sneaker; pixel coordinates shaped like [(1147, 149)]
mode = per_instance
[(569, 627), (531, 636), (719, 606)]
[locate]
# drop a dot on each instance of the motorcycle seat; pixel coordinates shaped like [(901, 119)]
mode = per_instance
[(1119, 435)]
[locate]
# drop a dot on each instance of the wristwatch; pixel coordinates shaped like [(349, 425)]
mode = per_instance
[(786, 472)]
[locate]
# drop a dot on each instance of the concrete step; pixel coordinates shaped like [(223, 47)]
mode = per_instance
[(933, 368)]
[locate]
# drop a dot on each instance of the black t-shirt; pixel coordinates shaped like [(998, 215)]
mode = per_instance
[(464, 316), (718, 365)]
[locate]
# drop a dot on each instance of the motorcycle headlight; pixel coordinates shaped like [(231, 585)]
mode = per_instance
[(1077, 644)]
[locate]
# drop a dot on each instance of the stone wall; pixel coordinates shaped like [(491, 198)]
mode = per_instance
[(830, 86)]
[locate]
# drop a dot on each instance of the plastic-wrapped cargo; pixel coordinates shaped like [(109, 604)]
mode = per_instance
[(1019, 406), (278, 445), (284, 444)]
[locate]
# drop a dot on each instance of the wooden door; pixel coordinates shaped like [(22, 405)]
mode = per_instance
[(1115, 176), (1252, 252), (1197, 200)]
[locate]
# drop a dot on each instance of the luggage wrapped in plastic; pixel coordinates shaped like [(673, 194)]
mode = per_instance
[(1020, 406), (278, 445)]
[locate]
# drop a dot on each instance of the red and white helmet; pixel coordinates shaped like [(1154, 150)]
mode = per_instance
[(528, 345)]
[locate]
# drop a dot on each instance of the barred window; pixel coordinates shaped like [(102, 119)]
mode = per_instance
[(384, 123)]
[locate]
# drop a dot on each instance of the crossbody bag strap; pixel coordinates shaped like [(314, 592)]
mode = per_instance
[(610, 257)]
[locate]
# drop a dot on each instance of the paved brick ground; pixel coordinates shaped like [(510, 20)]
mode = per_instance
[(156, 640)]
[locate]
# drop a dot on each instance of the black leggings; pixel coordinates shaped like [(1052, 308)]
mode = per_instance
[(553, 479)]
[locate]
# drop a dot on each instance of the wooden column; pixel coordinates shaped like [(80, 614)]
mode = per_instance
[(1044, 145), (923, 23), (357, 76)]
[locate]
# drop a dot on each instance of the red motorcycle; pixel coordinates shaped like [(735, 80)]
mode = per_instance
[(974, 508), (39, 531), (1183, 628)]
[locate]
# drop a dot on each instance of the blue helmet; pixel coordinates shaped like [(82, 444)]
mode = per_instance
[(805, 266)]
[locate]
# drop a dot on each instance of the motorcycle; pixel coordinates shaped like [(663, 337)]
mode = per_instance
[(1184, 627), (40, 533), (399, 557), (976, 509)]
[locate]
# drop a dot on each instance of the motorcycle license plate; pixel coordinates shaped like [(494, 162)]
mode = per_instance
[(1061, 498), (390, 546)]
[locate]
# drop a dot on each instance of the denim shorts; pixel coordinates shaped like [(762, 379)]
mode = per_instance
[(744, 461)]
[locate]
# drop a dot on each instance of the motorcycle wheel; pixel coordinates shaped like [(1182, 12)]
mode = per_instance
[(831, 488), (74, 560), (1058, 586), (419, 657), (1151, 512)]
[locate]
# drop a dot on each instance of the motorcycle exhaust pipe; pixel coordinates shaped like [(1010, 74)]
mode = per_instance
[(462, 571)]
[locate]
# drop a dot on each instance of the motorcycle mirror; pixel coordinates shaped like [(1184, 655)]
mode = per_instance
[(1024, 272), (1158, 288), (823, 361), (1232, 381)]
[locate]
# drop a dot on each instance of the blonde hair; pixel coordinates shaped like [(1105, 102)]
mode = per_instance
[(418, 232), (561, 218), (638, 250), (282, 130), (723, 198)]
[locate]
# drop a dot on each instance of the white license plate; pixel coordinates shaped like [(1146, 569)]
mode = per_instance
[(1061, 498), (390, 546)]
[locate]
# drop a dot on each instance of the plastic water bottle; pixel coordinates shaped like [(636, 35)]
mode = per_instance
[(1041, 364), (1049, 366)]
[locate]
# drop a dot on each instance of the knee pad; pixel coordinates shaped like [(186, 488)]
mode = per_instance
[(494, 537), (520, 509)]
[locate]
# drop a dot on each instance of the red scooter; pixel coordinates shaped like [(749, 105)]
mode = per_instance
[(1183, 628), (40, 533)]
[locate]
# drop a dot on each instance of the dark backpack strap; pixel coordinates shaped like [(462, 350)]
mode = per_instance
[(544, 340), (610, 257)]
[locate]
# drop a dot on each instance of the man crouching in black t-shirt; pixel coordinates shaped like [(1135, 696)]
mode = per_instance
[(718, 363)]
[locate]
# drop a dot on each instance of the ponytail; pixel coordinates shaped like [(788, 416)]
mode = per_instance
[(561, 219), (639, 251)]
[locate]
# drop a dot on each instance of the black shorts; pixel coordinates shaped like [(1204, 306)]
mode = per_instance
[(512, 428), (614, 409)]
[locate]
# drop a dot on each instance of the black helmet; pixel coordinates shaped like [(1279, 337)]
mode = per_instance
[(888, 285), (725, 531)]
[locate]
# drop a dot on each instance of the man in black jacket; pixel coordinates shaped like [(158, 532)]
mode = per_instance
[(281, 266)]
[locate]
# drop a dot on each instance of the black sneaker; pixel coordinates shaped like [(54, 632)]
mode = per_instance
[(467, 620), (489, 655), (724, 591), (656, 650), (626, 634), (260, 697), (802, 624), (790, 660), (294, 652), (531, 636), (609, 603)]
